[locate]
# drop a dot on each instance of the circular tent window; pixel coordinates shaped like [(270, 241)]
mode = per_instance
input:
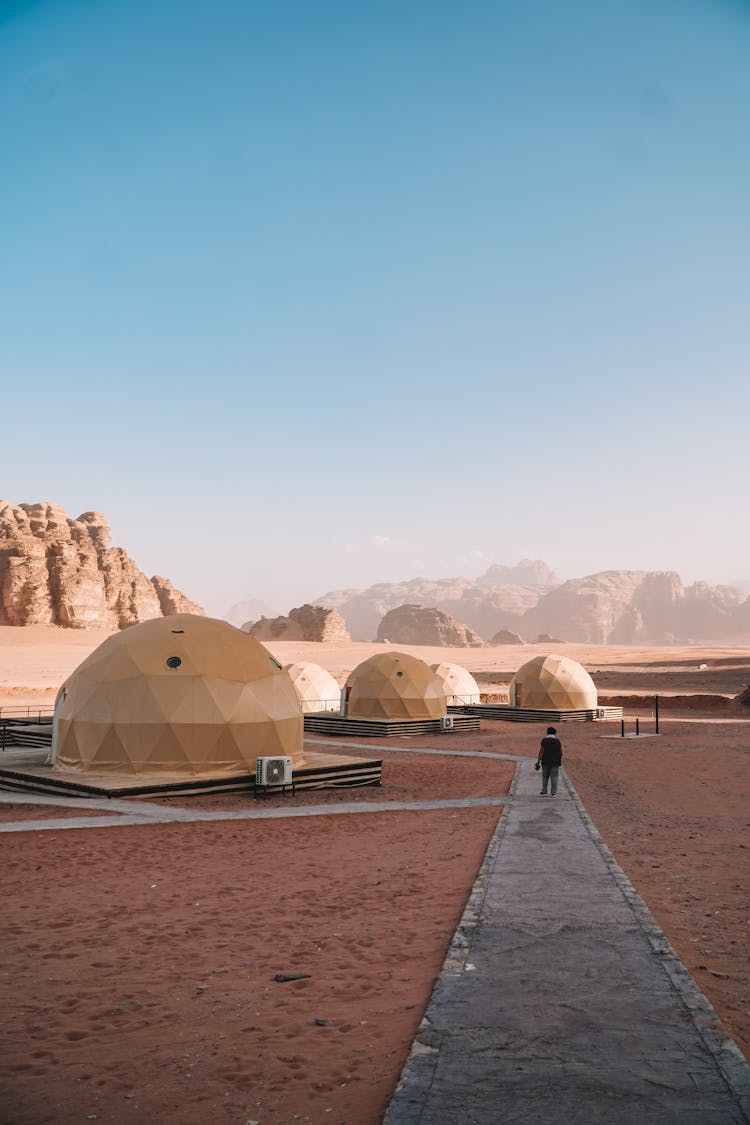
[(173, 662)]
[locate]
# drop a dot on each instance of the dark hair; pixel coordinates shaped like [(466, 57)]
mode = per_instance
[(551, 730)]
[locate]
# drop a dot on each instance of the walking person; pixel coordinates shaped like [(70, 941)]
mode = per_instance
[(550, 760)]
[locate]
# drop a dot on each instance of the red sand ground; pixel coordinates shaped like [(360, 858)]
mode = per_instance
[(11, 813), (138, 963), (154, 998)]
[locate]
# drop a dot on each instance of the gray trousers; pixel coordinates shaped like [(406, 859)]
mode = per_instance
[(549, 774)]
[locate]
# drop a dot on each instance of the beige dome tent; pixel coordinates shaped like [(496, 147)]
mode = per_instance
[(315, 686), (180, 695), (393, 685), (553, 683), (459, 686)]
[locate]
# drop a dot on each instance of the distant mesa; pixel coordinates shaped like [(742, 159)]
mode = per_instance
[(528, 572), (306, 623), (609, 607), (316, 688), (546, 639), (250, 610), (493, 601), (60, 571), (506, 637), (425, 625)]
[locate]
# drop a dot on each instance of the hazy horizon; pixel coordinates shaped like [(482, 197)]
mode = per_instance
[(306, 297)]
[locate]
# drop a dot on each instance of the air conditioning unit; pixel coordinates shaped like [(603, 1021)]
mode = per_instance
[(273, 771), (446, 723), (600, 712)]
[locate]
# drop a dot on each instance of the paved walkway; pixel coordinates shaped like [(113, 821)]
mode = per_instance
[(561, 1001), (139, 812), (133, 811)]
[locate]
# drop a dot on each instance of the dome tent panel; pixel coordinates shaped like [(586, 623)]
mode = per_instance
[(553, 683), (184, 695), (394, 685), (459, 685), (316, 688)]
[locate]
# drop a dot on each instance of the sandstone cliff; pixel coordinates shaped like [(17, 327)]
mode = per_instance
[(425, 625), (307, 623), (528, 572), (611, 607), (172, 600), (495, 600), (60, 571), (506, 637), (637, 607)]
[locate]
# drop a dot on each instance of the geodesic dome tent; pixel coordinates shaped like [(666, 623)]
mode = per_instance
[(394, 685), (316, 688), (459, 686), (553, 683), (183, 695)]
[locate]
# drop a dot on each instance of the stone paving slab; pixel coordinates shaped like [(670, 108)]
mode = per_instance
[(561, 1001)]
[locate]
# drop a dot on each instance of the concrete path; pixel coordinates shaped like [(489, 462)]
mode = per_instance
[(136, 812), (561, 1001)]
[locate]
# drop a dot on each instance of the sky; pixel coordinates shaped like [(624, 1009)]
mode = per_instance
[(305, 296)]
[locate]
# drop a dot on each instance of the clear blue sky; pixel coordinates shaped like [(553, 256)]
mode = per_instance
[(309, 295)]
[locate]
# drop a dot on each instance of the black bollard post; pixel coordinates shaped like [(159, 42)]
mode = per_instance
[(637, 727), (622, 728), (656, 712)]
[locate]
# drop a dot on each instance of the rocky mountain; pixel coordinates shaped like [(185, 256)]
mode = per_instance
[(60, 571), (491, 602), (610, 607), (528, 572), (637, 607), (251, 610), (306, 623), (506, 637), (422, 625)]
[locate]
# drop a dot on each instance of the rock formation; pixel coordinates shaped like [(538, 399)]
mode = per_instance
[(637, 607), (494, 601), (610, 607), (528, 572), (307, 623), (60, 571), (506, 637), (172, 600), (425, 625)]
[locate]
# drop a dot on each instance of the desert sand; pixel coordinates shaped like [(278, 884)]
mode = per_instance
[(139, 962)]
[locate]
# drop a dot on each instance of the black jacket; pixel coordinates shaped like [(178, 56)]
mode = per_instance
[(551, 751)]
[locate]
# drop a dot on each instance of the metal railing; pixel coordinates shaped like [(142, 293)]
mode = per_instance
[(32, 712)]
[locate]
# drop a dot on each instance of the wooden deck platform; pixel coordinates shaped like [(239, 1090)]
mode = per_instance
[(526, 715), (26, 731), (326, 722), (24, 770)]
